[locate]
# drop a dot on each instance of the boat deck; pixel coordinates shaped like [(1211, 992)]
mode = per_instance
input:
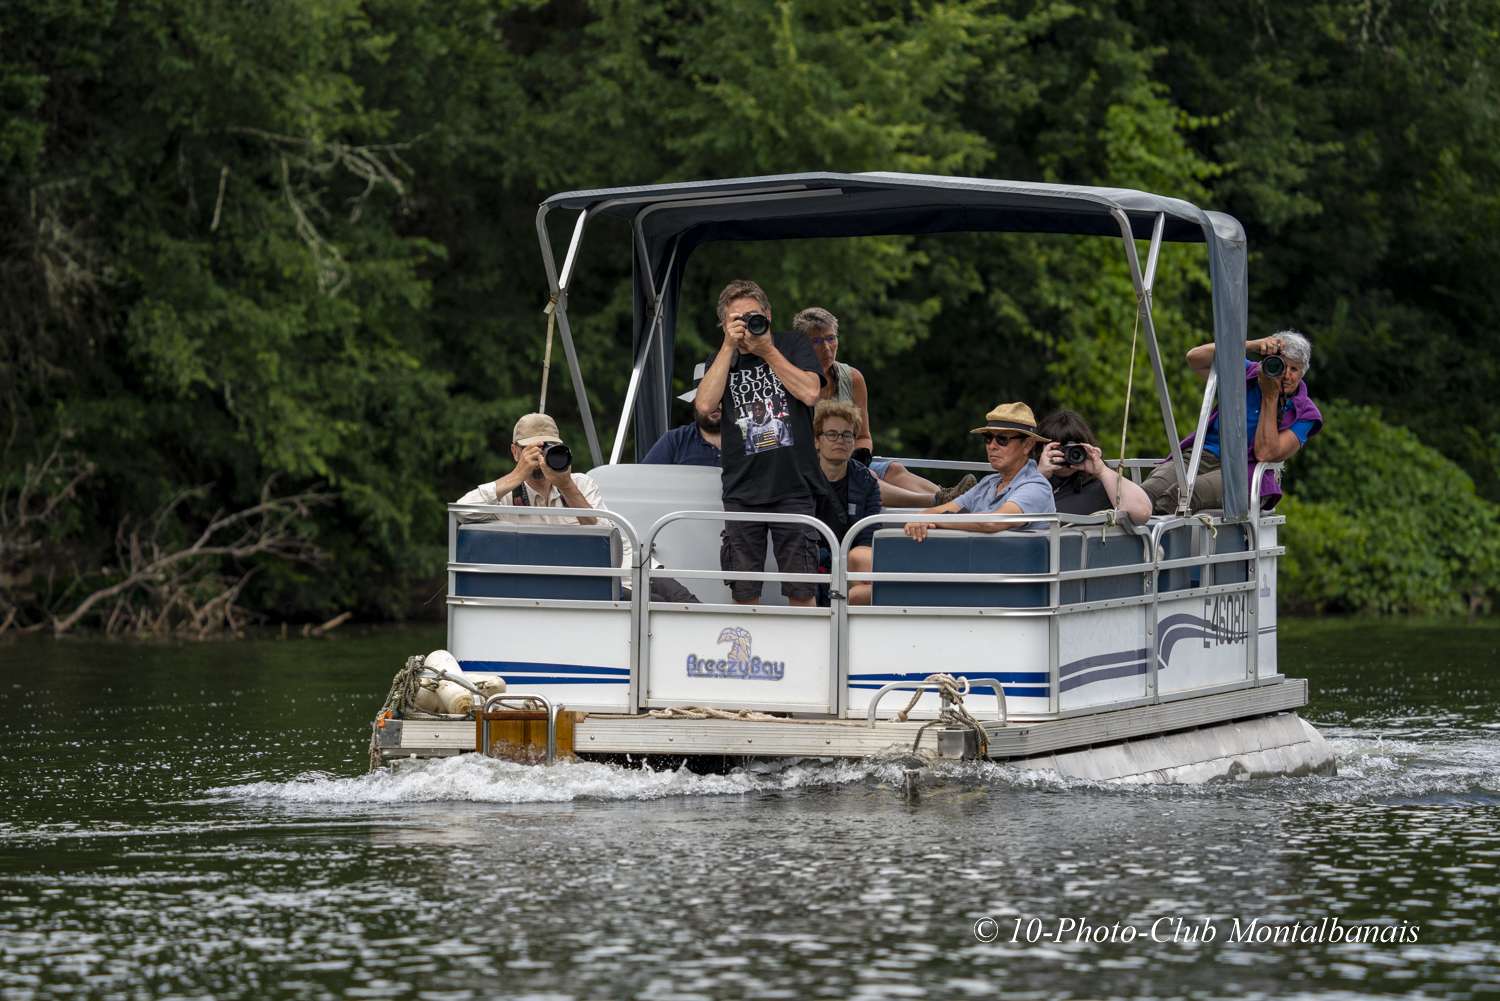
[(1020, 739)]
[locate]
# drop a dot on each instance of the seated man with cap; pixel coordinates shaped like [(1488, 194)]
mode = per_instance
[(533, 483), (695, 444), (1015, 486)]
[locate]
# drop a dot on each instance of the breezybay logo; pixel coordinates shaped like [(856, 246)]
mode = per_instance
[(739, 663)]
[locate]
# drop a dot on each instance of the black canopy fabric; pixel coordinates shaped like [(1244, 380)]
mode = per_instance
[(670, 220)]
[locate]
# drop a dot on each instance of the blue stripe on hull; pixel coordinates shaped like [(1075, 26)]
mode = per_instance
[(1010, 690), (1020, 677), (526, 667), (534, 680)]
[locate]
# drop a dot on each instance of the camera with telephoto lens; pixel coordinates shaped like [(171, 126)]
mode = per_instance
[(557, 456), (1075, 454), (756, 323), (1271, 366)]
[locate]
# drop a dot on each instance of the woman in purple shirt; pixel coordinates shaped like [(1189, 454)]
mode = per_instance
[(1297, 419)]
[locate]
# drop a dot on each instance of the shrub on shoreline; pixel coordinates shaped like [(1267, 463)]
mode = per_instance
[(1379, 523)]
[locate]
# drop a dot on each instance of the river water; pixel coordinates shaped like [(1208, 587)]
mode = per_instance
[(194, 820)]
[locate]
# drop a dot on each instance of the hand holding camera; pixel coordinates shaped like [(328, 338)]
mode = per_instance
[(557, 462), (553, 459), (1272, 362), (756, 332), (1069, 455)]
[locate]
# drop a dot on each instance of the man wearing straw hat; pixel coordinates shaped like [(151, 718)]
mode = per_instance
[(1015, 486)]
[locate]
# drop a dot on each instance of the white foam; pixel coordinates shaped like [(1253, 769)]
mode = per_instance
[(471, 778), (1371, 767)]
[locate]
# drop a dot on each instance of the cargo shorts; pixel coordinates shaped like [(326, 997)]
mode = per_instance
[(743, 547)]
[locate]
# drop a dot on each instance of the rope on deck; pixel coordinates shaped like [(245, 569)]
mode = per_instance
[(953, 709), (741, 715), (400, 704)]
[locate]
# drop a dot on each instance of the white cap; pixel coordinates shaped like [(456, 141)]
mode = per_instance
[(692, 394)]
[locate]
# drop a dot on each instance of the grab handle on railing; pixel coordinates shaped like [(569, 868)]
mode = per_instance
[(925, 685), (484, 724)]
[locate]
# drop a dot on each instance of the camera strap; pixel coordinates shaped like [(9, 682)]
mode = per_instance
[(518, 497)]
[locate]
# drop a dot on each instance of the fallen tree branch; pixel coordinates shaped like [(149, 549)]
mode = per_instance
[(331, 624), (184, 581)]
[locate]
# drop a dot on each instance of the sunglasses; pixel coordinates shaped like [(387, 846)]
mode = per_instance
[(847, 437), (830, 340), (1003, 439)]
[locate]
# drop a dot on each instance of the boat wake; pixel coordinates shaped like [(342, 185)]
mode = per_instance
[(471, 778), (1372, 768)]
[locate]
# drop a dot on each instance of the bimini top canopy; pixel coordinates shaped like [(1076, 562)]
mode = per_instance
[(669, 221)]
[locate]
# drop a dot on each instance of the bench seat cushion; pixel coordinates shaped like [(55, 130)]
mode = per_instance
[(545, 545)]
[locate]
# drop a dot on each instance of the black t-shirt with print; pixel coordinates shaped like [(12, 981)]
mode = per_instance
[(1073, 496), (768, 432)]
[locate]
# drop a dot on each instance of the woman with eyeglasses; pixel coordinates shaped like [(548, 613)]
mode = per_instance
[(1015, 486), (853, 492), (899, 486)]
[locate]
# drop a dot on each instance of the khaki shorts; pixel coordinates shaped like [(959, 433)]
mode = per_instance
[(1208, 487)]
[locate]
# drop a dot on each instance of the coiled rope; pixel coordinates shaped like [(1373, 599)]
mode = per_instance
[(953, 712)]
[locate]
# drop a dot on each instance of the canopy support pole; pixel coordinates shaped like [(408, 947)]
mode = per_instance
[(639, 368), (1143, 306), (1208, 402), (559, 287)]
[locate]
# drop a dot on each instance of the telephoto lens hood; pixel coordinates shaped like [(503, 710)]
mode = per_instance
[(557, 456), (756, 323)]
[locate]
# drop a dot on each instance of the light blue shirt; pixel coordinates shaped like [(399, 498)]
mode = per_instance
[(1029, 491)]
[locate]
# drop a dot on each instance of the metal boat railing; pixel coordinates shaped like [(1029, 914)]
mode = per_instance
[(547, 705), (640, 572), (835, 694), (932, 685)]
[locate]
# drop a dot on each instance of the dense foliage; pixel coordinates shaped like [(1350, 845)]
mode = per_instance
[(1379, 522), (278, 238)]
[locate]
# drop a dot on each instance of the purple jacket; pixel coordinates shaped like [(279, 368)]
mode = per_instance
[(1302, 409)]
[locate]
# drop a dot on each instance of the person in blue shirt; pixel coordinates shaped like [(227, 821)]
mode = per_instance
[(1015, 486), (695, 444)]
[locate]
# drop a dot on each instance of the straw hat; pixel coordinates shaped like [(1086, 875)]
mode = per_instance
[(1011, 417)]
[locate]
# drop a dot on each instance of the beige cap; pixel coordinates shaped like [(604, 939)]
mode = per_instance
[(535, 428), (1011, 417)]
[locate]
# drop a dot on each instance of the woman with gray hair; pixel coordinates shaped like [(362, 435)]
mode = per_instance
[(899, 486), (1297, 419)]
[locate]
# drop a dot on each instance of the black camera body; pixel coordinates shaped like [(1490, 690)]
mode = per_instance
[(756, 323), (1075, 454), (557, 456), (1272, 366)]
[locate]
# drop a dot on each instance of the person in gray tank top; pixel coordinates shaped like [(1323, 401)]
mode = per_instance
[(899, 486)]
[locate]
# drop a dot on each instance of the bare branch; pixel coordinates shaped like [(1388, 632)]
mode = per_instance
[(179, 576)]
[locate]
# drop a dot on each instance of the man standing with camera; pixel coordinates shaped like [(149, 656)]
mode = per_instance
[(766, 385), (1285, 361), (543, 477)]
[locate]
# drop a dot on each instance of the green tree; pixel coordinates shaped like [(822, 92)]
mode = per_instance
[(1378, 522)]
